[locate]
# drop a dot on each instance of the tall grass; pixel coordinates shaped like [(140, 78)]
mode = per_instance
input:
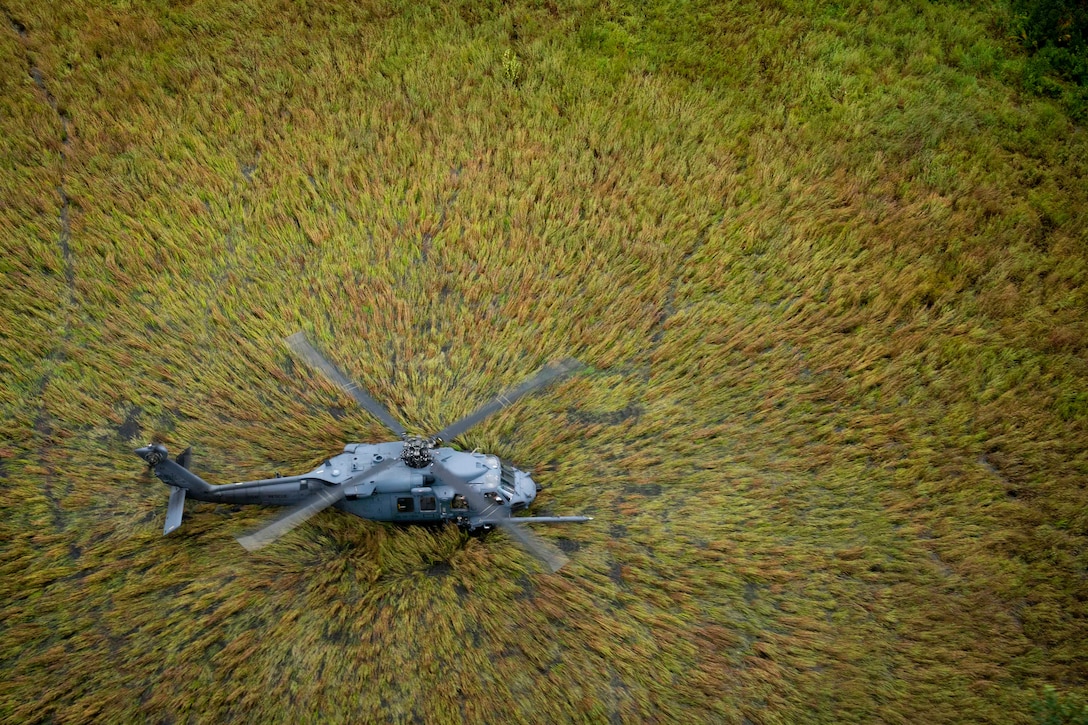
[(826, 263)]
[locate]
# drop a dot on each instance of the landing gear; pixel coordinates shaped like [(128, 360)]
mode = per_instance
[(478, 530)]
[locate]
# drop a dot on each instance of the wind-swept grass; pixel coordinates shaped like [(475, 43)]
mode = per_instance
[(827, 267)]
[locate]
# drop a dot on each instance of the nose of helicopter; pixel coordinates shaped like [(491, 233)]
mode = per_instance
[(525, 486)]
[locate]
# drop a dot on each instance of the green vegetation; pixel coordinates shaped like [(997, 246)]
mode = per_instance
[(828, 262), (1055, 32), (1053, 709)]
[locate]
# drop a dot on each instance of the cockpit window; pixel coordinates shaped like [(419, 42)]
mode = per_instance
[(458, 502), (507, 482)]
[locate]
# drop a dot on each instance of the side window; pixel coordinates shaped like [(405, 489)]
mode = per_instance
[(427, 503), (458, 502), (507, 479), (404, 505)]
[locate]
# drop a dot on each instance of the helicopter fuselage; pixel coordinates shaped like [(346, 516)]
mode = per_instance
[(398, 494)]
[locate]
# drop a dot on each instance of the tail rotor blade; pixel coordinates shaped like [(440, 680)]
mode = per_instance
[(508, 398), (301, 347), (317, 501)]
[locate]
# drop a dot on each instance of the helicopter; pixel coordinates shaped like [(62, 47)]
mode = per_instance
[(415, 480)]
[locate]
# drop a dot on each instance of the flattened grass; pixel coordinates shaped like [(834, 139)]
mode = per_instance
[(825, 263)]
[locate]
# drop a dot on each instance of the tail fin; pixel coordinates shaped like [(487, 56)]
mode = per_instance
[(177, 476)]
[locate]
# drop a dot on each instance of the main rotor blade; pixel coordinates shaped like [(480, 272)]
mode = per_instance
[(551, 557), (505, 400), (474, 498), (301, 347), (318, 501)]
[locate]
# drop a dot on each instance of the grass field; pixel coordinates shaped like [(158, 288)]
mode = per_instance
[(827, 264)]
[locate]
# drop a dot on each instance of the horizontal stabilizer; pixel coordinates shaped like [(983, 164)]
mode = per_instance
[(174, 509)]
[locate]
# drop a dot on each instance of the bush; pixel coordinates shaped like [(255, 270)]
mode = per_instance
[(1063, 23), (1055, 709), (1055, 34)]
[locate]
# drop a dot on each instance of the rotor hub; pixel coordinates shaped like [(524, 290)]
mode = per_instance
[(417, 452)]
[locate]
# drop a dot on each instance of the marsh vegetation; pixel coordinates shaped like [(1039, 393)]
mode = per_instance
[(827, 263)]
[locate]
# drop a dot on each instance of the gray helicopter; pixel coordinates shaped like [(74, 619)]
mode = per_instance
[(416, 480)]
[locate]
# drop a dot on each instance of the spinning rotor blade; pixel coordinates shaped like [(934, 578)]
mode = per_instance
[(536, 546), (301, 347), (318, 501), (552, 557), (474, 498), (505, 400)]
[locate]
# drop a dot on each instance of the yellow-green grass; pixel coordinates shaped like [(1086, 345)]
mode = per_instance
[(827, 267)]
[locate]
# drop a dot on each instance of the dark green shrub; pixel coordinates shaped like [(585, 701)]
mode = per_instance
[(1055, 34), (1055, 709), (1063, 23)]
